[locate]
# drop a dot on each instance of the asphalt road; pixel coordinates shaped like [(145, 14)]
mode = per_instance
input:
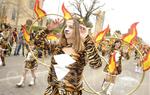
[(125, 83)]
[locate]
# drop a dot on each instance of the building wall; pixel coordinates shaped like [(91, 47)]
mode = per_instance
[(18, 11)]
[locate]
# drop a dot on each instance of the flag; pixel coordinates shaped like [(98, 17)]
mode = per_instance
[(39, 12), (131, 35), (146, 62), (25, 34), (100, 35), (51, 37), (67, 14), (112, 63)]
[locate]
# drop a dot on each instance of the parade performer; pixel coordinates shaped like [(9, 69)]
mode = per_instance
[(138, 68), (114, 67), (2, 57), (76, 43), (2, 50), (30, 64)]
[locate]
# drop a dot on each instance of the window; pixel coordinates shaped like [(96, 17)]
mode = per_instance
[(31, 4), (13, 14)]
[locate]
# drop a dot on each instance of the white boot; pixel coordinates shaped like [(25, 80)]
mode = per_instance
[(136, 69), (109, 90), (105, 85), (21, 83), (32, 82), (139, 70)]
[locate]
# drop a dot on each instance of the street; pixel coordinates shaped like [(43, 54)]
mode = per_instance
[(126, 82)]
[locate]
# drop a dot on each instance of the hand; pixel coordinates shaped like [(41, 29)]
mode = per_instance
[(54, 24), (83, 31)]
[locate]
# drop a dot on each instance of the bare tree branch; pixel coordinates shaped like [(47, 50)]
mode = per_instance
[(77, 5), (77, 14), (95, 9), (91, 9), (85, 7)]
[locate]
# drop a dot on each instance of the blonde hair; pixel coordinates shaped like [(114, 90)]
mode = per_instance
[(77, 41)]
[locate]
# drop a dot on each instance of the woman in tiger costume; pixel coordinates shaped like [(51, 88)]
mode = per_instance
[(76, 43)]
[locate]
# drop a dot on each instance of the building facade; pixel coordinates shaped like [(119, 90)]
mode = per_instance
[(17, 12)]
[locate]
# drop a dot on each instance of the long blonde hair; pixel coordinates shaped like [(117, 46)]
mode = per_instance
[(77, 41)]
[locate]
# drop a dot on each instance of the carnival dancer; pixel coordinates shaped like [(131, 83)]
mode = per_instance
[(30, 64), (2, 56), (2, 51), (138, 68), (76, 44), (113, 68)]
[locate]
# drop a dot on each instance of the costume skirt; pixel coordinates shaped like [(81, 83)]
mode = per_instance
[(31, 65)]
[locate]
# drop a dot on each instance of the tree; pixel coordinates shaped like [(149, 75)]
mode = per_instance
[(79, 5)]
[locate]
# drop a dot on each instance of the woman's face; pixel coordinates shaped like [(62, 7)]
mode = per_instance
[(117, 45), (68, 31)]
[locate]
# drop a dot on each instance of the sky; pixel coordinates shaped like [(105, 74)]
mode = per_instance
[(120, 14)]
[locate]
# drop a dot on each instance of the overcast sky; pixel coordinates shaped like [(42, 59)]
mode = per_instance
[(120, 14)]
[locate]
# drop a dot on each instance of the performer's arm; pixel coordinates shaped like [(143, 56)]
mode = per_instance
[(92, 53)]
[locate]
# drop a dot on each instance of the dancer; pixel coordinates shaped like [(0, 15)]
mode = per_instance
[(76, 43), (2, 56), (114, 67), (2, 51), (30, 64)]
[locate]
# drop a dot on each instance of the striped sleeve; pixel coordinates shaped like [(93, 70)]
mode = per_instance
[(92, 53)]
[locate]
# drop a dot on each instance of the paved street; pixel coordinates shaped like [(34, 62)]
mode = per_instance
[(127, 81)]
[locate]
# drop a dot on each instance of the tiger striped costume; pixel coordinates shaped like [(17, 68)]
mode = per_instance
[(72, 82), (30, 61)]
